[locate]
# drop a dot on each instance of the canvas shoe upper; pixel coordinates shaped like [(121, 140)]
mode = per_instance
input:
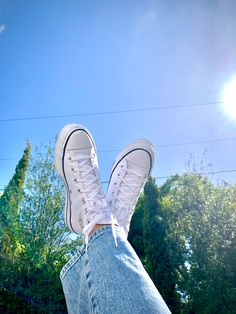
[(129, 173), (76, 162)]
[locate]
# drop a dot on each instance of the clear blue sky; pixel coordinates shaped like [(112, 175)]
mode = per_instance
[(73, 57)]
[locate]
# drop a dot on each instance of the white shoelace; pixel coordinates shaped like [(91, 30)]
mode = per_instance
[(127, 193), (97, 210)]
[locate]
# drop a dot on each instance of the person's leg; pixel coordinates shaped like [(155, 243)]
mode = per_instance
[(113, 278), (75, 286), (107, 276)]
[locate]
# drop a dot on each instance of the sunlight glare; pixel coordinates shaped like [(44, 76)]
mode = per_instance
[(230, 98)]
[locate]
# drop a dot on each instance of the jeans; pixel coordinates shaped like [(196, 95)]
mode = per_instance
[(108, 279)]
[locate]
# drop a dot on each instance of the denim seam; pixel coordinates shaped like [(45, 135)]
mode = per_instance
[(81, 251), (72, 261), (89, 284)]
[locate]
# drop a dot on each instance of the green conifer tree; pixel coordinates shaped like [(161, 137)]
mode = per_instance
[(9, 209), (10, 242)]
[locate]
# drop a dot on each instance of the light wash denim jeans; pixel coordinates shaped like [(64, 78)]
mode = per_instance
[(107, 279)]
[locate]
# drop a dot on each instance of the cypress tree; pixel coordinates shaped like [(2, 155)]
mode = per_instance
[(9, 208), (10, 244)]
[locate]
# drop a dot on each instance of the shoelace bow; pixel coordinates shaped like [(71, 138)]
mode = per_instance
[(98, 209)]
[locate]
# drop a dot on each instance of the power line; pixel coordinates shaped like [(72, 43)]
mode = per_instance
[(10, 158), (180, 144), (198, 142), (198, 173), (220, 140), (111, 112)]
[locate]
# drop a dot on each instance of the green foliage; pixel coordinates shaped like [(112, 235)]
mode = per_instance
[(149, 237), (9, 209), (30, 278), (205, 217), (135, 235), (10, 243), (158, 247), (44, 234), (183, 231)]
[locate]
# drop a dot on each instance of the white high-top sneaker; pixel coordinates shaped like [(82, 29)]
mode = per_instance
[(76, 162), (129, 173)]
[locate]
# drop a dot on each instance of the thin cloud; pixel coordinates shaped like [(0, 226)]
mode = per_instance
[(151, 12), (2, 28), (148, 21)]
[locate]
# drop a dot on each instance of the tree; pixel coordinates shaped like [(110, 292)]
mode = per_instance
[(9, 208), (48, 243), (183, 231), (159, 261), (11, 246), (149, 235), (33, 217), (135, 235), (205, 218)]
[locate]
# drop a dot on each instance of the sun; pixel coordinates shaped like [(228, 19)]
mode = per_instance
[(229, 95)]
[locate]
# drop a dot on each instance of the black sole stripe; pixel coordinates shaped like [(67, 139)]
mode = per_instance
[(151, 162)]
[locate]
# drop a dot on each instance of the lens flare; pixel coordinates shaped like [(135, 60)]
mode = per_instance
[(230, 98)]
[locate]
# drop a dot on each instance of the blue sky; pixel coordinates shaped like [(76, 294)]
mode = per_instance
[(74, 57)]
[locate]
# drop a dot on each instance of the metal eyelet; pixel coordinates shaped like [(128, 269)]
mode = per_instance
[(72, 170), (79, 190)]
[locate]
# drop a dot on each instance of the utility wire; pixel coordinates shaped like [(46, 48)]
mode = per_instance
[(198, 173), (10, 158), (220, 140), (179, 144), (111, 112)]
